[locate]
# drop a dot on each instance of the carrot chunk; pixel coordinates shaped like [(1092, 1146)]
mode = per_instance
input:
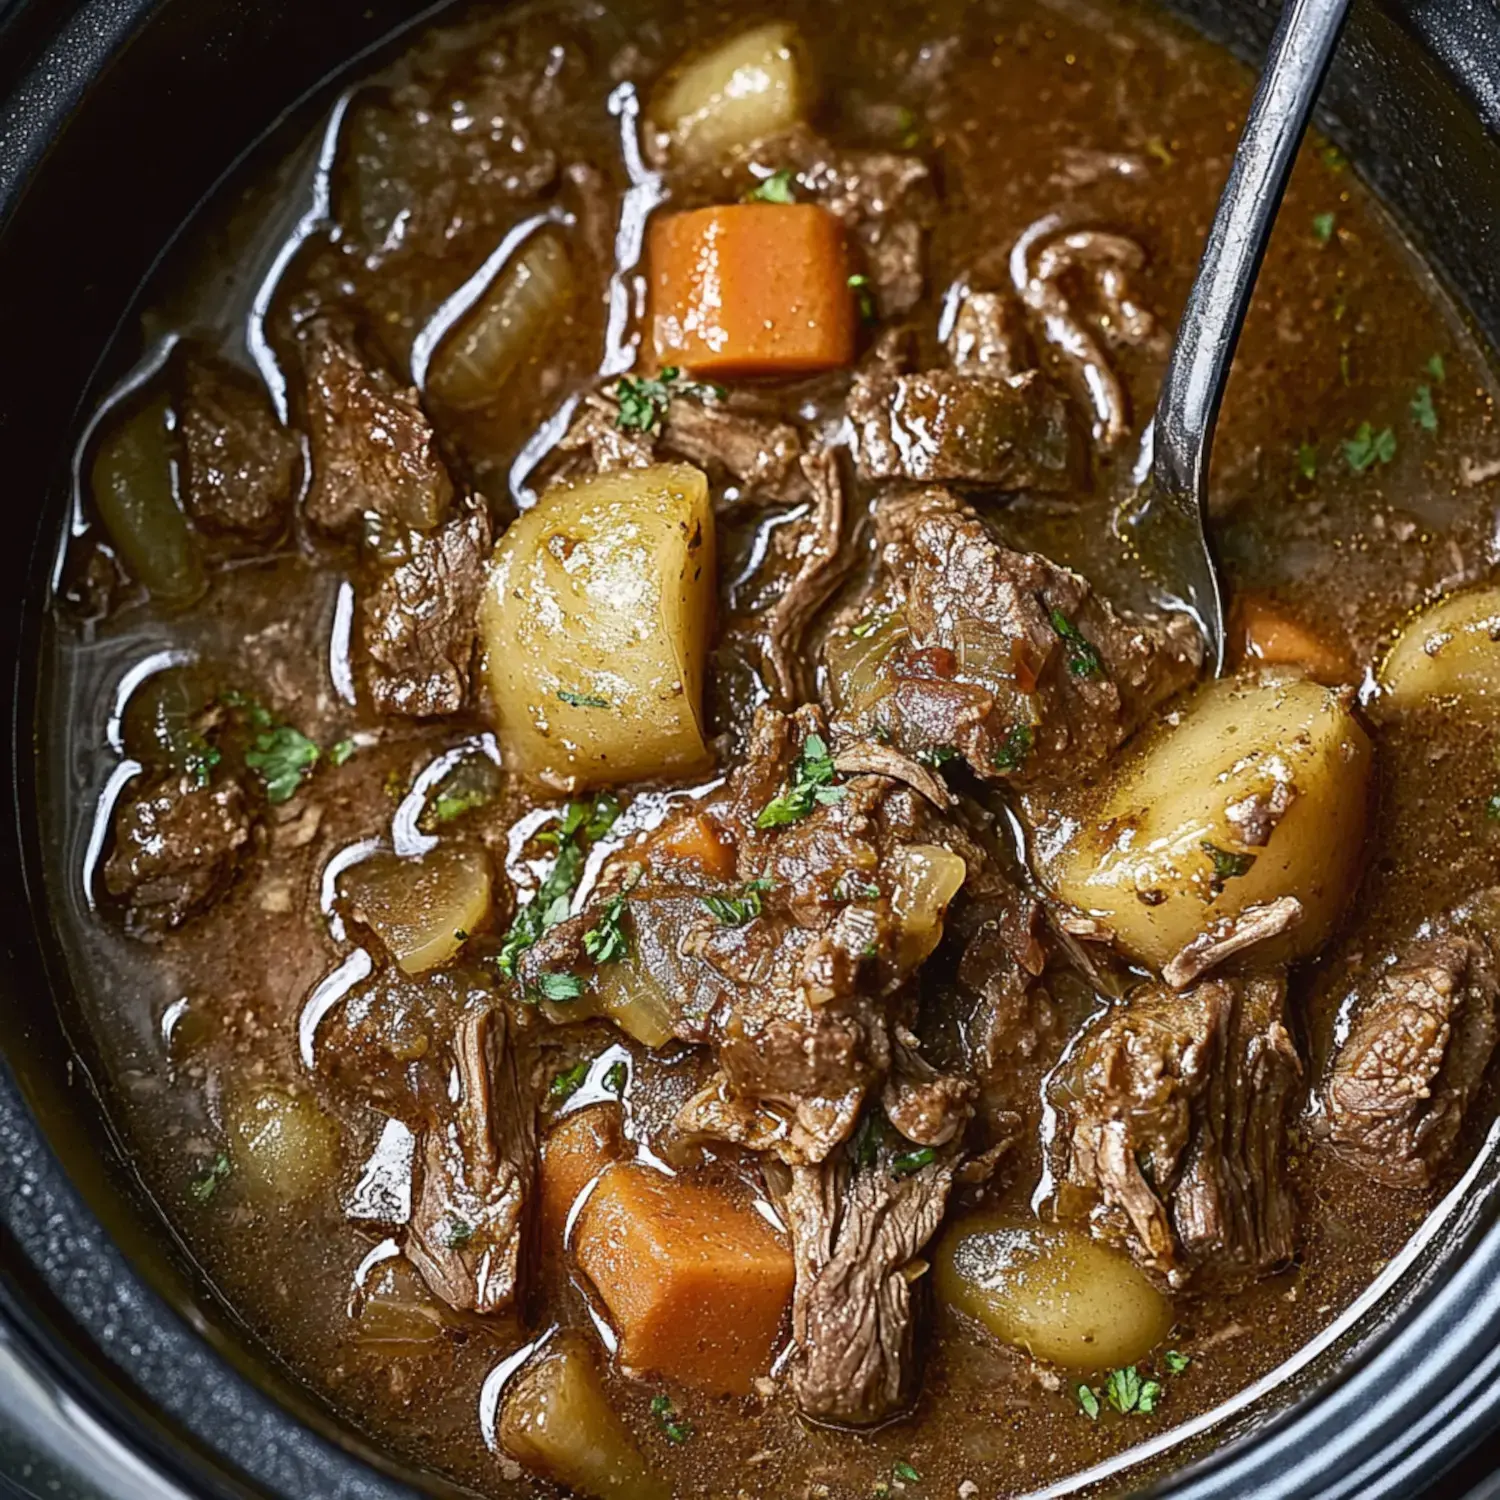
[(575, 1151), (698, 841), (751, 289), (696, 1283), (1261, 633)]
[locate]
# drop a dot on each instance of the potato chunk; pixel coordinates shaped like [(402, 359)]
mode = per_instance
[(1052, 1291), (283, 1147), (1256, 792), (595, 619), (556, 1420), (1452, 649), (422, 909), (752, 86)]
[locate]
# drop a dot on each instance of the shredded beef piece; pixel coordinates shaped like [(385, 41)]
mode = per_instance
[(475, 1164), (1173, 1115), (373, 449), (240, 463), (823, 562), (1013, 432), (595, 431), (1008, 659), (177, 843), (926, 1106), (1399, 1086), (856, 1230), (872, 758), (418, 620), (989, 337), (1229, 936)]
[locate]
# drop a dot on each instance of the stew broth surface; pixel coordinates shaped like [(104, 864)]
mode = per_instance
[(1088, 114)]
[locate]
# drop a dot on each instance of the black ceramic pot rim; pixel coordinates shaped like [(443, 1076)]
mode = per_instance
[(1417, 1384)]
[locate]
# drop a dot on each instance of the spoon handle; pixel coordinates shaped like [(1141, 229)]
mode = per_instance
[(1188, 406)]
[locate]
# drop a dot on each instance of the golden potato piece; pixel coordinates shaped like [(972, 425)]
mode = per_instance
[(282, 1145), (595, 620), (1258, 791), (422, 909), (1449, 650), (1052, 1291), (753, 86)]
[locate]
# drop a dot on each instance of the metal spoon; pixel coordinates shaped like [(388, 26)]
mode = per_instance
[(1169, 522)]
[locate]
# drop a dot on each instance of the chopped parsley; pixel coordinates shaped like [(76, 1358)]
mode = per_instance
[(607, 942), (811, 786), (1307, 460), (200, 759), (864, 298), (1368, 447), (558, 988), (614, 1079), (869, 625), (912, 1161), (737, 911), (453, 805), (777, 188), (567, 1083), (1127, 1392), (1227, 865), (1423, 412), (1322, 227), (1088, 1402), (582, 824), (1334, 159), (581, 700), (1492, 808), (904, 1472), (1014, 749), (850, 888), (1176, 1363), (282, 757), (1083, 659), (644, 401), (866, 1144), (1437, 369), (207, 1185), (341, 752), (456, 1232), (667, 1418), (938, 756)]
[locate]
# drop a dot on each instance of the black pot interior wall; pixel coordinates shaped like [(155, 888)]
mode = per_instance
[(156, 110)]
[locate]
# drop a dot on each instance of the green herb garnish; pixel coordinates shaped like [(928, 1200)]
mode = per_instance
[(1127, 1392), (1322, 227), (1014, 749), (810, 787), (849, 888), (676, 1430), (1334, 159), (607, 941), (866, 1144), (904, 1472), (282, 757), (206, 1186), (1083, 659), (864, 298), (1437, 369), (777, 188), (869, 625), (1227, 865), (1088, 1402), (1492, 808), (1176, 1363), (567, 1083), (938, 756), (453, 805), (1369, 447), (558, 988), (737, 911), (456, 1232), (644, 401), (1423, 412), (581, 700), (1307, 460), (912, 1161), (1151, 1393), (341, 752), (200, 760), (614, 1079)]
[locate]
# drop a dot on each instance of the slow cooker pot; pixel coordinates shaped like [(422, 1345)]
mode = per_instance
[(117, 117)]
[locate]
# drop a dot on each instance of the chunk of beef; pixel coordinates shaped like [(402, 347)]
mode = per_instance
[(177, 843), (373, 449), (1003, 656), (856, 1231), (475, 1165), (239, 462), (823, 561), (1013, 432), (418, 620), (989, 337), (1399, 1086), (602, 445), (1172, 1120)]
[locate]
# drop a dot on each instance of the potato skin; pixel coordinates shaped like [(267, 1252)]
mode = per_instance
[(596, 620), (1052, 1291), (1168, 847), (1451, 649)]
